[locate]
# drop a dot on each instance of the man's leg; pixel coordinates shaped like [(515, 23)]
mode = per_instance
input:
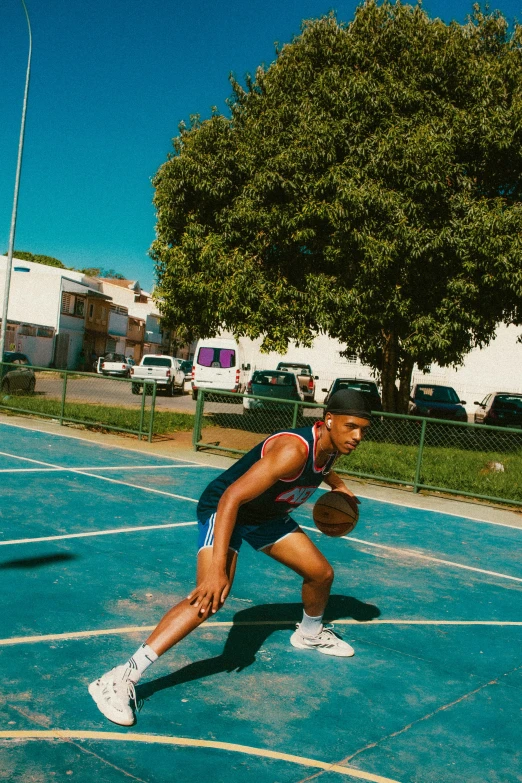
[(298, 552), (184, 618), (114, 691)]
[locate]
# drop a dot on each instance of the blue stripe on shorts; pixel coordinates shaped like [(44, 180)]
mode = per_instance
[(258, 536)]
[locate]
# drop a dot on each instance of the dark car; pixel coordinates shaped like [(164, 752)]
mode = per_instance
[(17, 375), (274, 384), (186, 366), (359, 384), (501, 409), (437, 402)]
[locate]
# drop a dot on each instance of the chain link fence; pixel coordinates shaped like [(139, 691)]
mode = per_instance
[(465, 459), (79, 398)]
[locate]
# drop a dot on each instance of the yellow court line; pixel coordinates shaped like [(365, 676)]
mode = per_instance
[(152, 739), (56, 637)]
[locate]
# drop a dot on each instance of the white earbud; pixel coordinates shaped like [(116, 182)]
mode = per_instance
[(328, 425)]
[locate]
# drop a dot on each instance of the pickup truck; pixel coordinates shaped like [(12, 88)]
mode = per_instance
[(114, 364), (305, 377), (164, 370)]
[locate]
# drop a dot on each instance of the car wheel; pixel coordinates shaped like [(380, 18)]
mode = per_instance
[(135, 388), (31, 387), (5, 386), (169, 390), (194, 395)]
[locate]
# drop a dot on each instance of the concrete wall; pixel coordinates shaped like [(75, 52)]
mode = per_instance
[(495, 368)]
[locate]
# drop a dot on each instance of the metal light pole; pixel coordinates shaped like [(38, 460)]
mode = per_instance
[(3, 328)]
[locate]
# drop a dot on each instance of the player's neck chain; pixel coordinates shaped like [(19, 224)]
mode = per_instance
[(329, 454)]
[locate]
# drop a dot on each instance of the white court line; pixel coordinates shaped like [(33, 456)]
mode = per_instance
[(410, 553), (101, 478), (110, 467), (107, 447), (214, 467), (413, 553), (224, 624), (95, 533)]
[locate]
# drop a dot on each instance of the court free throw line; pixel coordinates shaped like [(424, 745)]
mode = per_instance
[(223, 624), (154, 739), (90, 533)]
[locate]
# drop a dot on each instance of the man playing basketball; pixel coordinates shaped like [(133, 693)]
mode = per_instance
[(251, 501)]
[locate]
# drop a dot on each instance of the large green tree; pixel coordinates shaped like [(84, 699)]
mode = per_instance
[(367, 184)]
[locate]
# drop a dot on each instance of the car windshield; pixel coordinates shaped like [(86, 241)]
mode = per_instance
[(273, 379), (223, 358), (186, 365), (300, 369), (363, 386), (157, 361), (509, 401), (114, 357), (437, 394)]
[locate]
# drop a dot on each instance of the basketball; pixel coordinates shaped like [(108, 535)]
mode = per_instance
[(335, 514)]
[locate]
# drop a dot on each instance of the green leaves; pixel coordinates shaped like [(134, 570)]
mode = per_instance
[(366, 185)]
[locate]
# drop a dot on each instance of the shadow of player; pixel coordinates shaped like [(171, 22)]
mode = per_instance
[(246, 637)]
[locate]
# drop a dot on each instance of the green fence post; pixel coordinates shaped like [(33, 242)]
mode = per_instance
[(152, 409), (142, 411), (294, 417), (64, 394), (416, 481), (196, 432)]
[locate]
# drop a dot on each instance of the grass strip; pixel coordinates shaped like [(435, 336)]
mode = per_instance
[(493, 473), (99, 415)]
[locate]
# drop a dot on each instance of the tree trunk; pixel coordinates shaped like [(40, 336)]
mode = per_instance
[(405, 374), (389, 372)]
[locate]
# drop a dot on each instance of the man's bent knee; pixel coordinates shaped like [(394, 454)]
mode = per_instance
[(324, 576)]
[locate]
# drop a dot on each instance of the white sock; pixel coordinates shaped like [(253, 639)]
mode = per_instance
[(311, 626), (140, 661)]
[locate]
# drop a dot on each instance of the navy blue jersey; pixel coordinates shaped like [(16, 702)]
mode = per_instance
[(279, 499)]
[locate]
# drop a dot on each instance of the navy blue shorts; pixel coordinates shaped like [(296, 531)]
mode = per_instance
[(258, 536)]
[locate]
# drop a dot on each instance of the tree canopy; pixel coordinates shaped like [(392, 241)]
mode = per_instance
[(23, 255), (367, 184)]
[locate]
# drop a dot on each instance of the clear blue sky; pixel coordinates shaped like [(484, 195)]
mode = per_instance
[(111, 80)]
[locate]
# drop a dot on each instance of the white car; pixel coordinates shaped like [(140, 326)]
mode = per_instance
[(115, 364), (165, 371)]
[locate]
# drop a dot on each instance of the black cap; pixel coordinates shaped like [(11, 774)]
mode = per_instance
[(349, 402)]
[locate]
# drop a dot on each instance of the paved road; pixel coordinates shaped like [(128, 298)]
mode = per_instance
[(109, 391)]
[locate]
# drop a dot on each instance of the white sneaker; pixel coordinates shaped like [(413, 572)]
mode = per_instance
[(326, 642), (113, 694)]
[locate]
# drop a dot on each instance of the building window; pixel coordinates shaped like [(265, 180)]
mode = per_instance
[(79, 306), (67, 303), (45, 331), (26, 330), (91, 311)]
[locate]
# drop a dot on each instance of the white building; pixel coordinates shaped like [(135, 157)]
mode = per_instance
[(49, 305), (140, 305), (498, 367)]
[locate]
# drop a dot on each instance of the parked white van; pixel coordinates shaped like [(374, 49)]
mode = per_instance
[(218, 364)]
